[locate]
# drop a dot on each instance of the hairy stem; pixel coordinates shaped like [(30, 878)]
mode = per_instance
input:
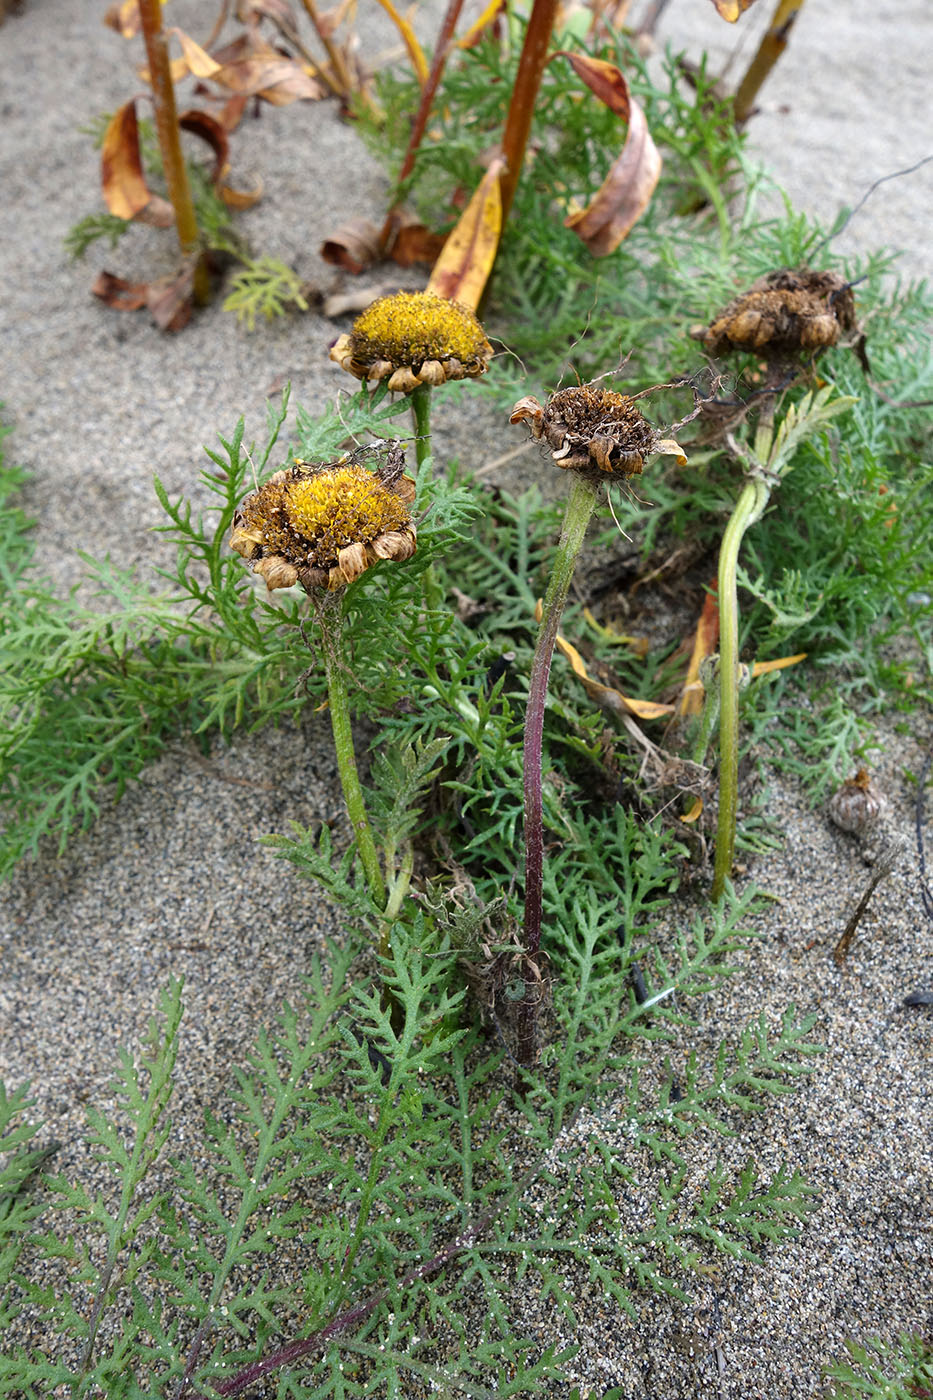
[(749, 508), (583, 497), (167, 129), (331, 632), (421, 418)]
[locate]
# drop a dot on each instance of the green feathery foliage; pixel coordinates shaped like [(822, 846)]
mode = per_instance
[(881, 1370)]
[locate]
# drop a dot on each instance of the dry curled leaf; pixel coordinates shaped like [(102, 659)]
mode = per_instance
[(359, 243), (121, 169), (605, 695), (462, 270), (119, 293), (170, 299), (249, 67), (626, 192), (354, 246), (704, 644)]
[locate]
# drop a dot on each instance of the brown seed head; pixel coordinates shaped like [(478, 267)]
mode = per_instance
[(784, 313), (591, 430), (858, 805), (321, 526), (413, 338)]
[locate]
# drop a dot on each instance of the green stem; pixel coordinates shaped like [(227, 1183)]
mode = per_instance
[(749, 508), (421, 418), (580, 505), (346, 756)]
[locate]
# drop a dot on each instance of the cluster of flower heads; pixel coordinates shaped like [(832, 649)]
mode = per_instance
[(413, 338), (321, 526)]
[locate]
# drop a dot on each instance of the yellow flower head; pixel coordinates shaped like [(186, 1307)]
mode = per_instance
[(413, 338), (322, 525), (591, 431)]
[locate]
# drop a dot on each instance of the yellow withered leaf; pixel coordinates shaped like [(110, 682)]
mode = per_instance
[(121, 170), (462, 270)]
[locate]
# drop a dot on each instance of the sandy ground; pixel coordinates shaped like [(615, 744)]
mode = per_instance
[(172, 881)]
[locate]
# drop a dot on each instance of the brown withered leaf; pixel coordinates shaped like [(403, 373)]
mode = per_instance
[(231, 113), (462, 270), (627, 189), (356, 298), (119, 293), (704, 644), (209, 129), (731, 9), (250, 67), (121, 169), (170, 299), (413, 241), (251, 11), (124, 18), (354, 246), (197, 60)]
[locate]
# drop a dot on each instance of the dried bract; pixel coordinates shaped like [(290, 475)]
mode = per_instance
[(858, 805), (593, 431), (323, 525), (413, 338), (783, 314)]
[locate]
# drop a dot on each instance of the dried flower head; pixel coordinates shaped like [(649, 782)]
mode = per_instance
[(414, 338), (322, 525), (783, 314), (858, 805), (593, 431)]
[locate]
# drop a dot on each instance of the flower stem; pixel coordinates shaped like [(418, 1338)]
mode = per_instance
[(346, 756), (167, 129), (421, 418), (582, 500), (749, 508)]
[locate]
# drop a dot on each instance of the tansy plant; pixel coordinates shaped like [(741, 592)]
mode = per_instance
[(785, 315), (320, 527), (599, 436)]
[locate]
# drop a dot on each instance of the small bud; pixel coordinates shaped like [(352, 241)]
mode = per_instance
[(858, 805)]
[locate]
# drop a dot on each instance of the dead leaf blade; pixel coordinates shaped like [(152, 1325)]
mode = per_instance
[(121, 169), (626, 192), (462, 270)]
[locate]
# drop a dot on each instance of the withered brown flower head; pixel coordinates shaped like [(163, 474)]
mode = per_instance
[(783, 314), (413, 338), (592, 431), (323, 525)]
